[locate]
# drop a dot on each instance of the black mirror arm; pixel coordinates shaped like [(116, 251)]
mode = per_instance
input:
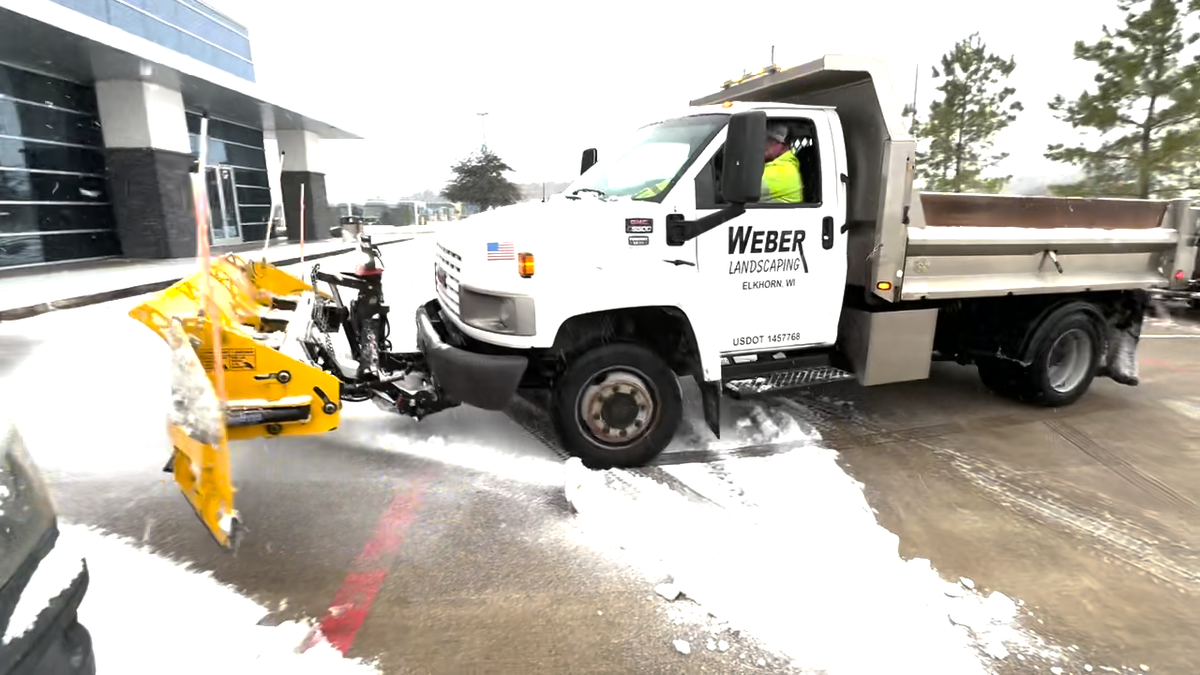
[(680, 230)]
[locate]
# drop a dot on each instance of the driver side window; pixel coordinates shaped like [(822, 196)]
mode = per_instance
[(802, 155)]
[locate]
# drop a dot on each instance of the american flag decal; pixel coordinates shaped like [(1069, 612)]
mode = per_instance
[(501, 251)]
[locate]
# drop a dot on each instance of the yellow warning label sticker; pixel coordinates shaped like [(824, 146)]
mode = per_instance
[(234, 359)]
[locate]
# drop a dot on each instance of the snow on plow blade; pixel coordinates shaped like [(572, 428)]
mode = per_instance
[(267, 392)]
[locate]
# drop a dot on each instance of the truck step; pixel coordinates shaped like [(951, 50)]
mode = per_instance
[(785, 380)]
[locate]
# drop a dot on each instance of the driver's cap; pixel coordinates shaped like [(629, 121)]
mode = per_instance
[(777, 131)]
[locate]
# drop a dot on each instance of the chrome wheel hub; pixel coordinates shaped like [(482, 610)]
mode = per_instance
[(617, 407)]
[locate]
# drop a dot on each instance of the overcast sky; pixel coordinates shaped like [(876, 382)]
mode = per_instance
[(559, 77)]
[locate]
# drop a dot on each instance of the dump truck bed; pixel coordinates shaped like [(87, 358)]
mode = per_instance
[(905, 245), (961, 246)]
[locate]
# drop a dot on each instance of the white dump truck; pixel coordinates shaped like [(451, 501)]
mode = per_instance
[(605, 297)]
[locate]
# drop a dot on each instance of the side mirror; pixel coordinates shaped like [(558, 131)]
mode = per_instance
[(741, 176), (590, 157)]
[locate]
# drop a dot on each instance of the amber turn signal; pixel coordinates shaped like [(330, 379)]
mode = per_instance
[(883, 285), (525, 264)]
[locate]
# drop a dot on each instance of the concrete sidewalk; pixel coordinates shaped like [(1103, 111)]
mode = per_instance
[(31, 292)]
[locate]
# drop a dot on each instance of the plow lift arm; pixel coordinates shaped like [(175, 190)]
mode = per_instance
[(280, 373)]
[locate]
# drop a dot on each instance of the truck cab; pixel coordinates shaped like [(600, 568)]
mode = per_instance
[(525, 292)]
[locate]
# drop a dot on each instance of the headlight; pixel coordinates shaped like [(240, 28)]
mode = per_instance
[(507, 314)]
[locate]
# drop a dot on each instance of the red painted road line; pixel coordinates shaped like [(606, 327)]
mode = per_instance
[(353, 600)]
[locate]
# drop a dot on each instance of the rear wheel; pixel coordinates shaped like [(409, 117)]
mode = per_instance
[(1001, 376), (1065, 360), (617, 406)]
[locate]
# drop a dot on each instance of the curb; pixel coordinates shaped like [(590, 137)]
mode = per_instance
[(39, 309)]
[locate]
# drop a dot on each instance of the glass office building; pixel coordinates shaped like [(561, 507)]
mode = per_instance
[(239, 189), (101, 104), (54, 199), (189, 27)]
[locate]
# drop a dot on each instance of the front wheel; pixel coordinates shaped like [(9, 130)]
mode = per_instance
[(617, 406)]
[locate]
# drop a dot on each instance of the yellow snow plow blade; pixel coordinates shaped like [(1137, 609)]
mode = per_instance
[(200, 452), (267, 392)]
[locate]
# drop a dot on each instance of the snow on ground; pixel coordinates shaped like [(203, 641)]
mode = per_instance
[(791, 553), (139, 606), (92, 393), (478, 440)]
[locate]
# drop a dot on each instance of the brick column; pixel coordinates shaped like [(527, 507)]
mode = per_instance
[(301, 166), (148, 160)]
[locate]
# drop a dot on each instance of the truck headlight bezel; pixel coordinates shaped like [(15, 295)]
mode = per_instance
[(502, 313)]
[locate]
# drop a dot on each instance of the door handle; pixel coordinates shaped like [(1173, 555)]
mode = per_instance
[(827, 233)]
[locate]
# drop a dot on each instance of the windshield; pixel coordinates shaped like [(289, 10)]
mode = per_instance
[(651, 161)]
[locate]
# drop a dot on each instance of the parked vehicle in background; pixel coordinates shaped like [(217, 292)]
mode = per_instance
[(41, 584)]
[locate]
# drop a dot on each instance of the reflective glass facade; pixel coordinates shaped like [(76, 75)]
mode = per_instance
[(238, 150), (185, 26), (54, 201)]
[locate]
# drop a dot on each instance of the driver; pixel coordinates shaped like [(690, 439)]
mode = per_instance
[(650, 192), (781, 182), (781, 175)]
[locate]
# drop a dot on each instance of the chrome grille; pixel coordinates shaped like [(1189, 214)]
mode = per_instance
[(447, 271)]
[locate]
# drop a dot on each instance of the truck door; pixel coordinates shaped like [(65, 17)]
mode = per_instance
[(778, 270)]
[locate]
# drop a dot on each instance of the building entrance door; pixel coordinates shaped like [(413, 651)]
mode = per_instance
[(222, 201)]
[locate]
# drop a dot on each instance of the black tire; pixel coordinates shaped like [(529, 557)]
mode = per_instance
[(1045, 386), (644, 394), (1002, 377)]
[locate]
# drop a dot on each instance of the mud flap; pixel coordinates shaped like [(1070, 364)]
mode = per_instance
[(710, 400), (1124, 333), (200, 450)]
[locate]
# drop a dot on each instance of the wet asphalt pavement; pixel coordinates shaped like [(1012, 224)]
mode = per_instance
[(1087, 514)]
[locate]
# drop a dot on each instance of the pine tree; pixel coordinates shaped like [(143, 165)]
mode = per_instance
[(1145, 107), (961, 127), (479, 181)]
